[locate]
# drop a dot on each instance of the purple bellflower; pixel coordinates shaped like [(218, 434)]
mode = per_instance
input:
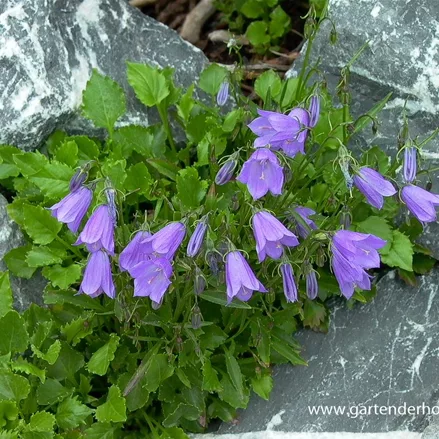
[(410, 164), (420, 202), (134, 252), (110, 193), (72, 208), (223, 94), (289, 283), (312, 286), (98, 232), (197, 238), (352, 254), (152, 279), (226, 171), (304, 213), (97, 276), (77, 180), (314, 111), (373, 186), (262, 173), (166, 241), (240, 279), (271, 236)]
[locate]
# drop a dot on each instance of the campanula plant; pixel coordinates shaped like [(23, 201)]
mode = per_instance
[(180, 262)]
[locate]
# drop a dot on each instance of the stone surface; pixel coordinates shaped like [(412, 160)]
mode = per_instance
[(47, 51), (26, 291), (383, 353)]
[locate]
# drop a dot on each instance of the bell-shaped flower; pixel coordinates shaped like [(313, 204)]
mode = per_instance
[(97, 276), (226, 172), (289, 283), (240, 279), (98, 232), (152, 279), (72, 208), (78, 179), (134, 252), (304, 213), (262, 173), (223, 94), (312, 286), (373, 186), (410, 164), (314, 111), (166, 241), (197, 238), (420, 202), (271, 236)]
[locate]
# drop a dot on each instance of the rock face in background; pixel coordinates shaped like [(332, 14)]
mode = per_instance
[(47, 52), (382, 353)]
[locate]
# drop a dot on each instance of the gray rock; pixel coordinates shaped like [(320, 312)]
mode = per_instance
[(47, 51), (382, 353), (26, 291)]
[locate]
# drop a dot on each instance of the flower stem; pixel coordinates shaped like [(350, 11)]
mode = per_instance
[(164, 117), (69, 247)]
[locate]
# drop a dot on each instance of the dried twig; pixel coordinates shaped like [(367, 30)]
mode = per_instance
[(141, 3), (195, 20), (224, 36)]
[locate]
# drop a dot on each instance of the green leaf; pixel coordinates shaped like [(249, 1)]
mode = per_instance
[(377, 226), (68, 153), (280, 22), (62, 277), (399, 252), (231, 396), (268, 84), (314, 314), (16, 262), (71, 413), (41, 256), (53, 297), (42, 421), (234, 372), (100, 430), (5, 294), (138, 396), (423, 264), (88, 149), (139, 178), (103, 101), (182, 410), (8, 168), (211, 79), (165, 168), (50, 392), (184, 108), (232, 119), (287, 350), (14, 335), (8, 413), (212, 338), (148, 83), (373, 112), (135, 138), (219, 298), (53, 180), (21, 365), (114, 409), (101, 359), (257, 33), (67, 364), (13, 387), (29, 163), (263, 386), (190, 189), (52, 353), (252, 9), (40, 225), (115, 170), (210, 377), (158, 369), (78, 328)]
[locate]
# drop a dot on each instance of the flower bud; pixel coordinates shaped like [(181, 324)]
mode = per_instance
[(320, 257), (314, 111), (212, 259), (226, 171), (410, 164), (78, 180), (197, 238), (346, 219), (196, 317), (333, 36), (289, 283), (223, 94), (312, 287), (111, 200), (199, 282)]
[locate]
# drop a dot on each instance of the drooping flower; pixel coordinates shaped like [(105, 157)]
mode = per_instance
[(134, 252), (152, 278), (304, 213), (271, 236), (166, 241), (97, 276), (410, 164), (312, 286), (77, 180), (262, 173), (420, 202), (197, 238), (223, 94), (240, 279), (226, 171), (110, 193), (72, 208), (352, 254), (289, 283), (373, 186), (314, 111), (98, 232)]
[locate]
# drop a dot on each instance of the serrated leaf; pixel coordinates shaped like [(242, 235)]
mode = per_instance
[(50, 392), (115, 171), (138, 396), (288, 351), (53, 180), (139, 178), (257, 33), (13, 387), (268, 84), (100, 430), (21, 365), (78, 328), (52, 353), (68, 363), (52, 297), (14, 335), (190, 189), (182, 410), (8, 413), (88, 149), (219, 298), (263, 386), (67, 153), (378, 226), (8, 168), (71, 413), (231, 396), (157, 370), (135, 138), (42, 256), (29, 163), (210, 377), (5, 294), (42, 421), (211, 78), (184, 108), (40, 225), (164, 167), (62, 277), (16, 262), (212, 338), (103, 101), (114, 409), (399, 253), (234, 372), (148, 83), (101, 359), (280, 22)]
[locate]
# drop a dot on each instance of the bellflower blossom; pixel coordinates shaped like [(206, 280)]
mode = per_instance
[(197, 238), (98, 232), (312, 286), (77, 180), (304, 213), (352, 254), (223, 94), (410, 164), (314, 111), (240, 279), (110, 193), (289, 283), (134, 252), (271, 236), (420, 202), (72, 208), (97, 276), (373, 186), (166, 241), (151, 278), (262, 173)]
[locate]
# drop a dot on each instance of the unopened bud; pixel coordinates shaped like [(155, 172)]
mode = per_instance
[(212, 259), (196, 317), (199, 282), (78, 180), (345, 219), (223, 94), (333, 36), (226, 171), (197, 238), (320, 257)]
